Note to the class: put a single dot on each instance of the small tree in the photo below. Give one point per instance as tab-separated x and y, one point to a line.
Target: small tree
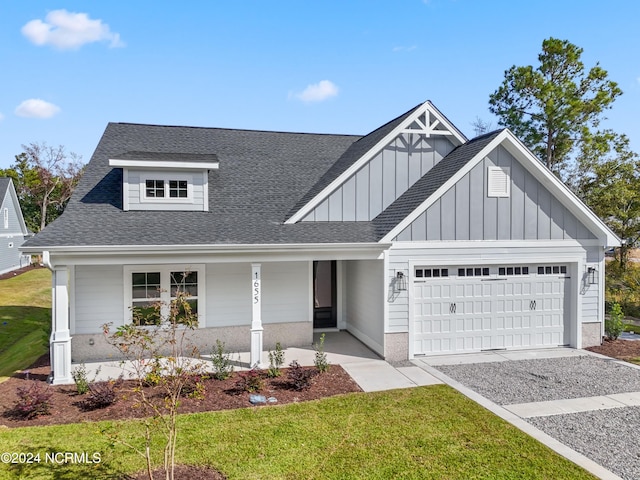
45	177
157	342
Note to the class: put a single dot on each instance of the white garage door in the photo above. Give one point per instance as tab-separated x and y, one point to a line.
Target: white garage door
485	307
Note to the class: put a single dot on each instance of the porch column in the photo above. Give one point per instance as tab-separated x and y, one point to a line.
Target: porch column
60	342
256	317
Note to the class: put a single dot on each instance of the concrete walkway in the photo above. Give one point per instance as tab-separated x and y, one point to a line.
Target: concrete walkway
367	369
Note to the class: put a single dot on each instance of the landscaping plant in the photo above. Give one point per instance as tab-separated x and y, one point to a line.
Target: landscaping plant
33	399
81	378
276	361
320	357
101	394
250	381
221	362
157	341
299	378
614	325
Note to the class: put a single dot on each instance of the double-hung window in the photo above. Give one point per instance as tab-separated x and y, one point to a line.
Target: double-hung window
151	291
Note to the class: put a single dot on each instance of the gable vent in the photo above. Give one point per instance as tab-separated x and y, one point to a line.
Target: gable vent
498	182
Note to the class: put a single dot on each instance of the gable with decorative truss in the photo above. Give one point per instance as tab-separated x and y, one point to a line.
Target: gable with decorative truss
382	173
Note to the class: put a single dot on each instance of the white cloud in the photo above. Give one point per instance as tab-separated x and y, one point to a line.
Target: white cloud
36	108
68	31
317	92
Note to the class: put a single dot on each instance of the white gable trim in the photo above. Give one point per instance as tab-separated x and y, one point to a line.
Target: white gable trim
456	136
539	171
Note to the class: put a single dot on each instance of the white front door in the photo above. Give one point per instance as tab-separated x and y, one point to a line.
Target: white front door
484	307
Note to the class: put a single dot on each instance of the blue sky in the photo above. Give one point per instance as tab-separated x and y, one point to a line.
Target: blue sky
70	67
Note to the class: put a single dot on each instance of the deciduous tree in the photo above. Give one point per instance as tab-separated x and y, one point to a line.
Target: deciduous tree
45	178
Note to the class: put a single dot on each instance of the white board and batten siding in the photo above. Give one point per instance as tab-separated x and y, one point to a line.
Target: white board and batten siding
383	179
364	298
467	212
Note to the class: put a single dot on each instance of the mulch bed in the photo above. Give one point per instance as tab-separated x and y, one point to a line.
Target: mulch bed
20	271
219	395
620	349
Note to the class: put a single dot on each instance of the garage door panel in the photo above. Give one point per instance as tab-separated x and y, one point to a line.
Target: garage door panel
477	312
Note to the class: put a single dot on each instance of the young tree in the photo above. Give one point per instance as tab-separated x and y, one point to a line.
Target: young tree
45	178
158	347
555	106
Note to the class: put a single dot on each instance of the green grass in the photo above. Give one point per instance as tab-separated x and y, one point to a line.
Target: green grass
25	319
419	433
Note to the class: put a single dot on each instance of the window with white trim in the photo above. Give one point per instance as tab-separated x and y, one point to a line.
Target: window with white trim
150	291
166	188
5	214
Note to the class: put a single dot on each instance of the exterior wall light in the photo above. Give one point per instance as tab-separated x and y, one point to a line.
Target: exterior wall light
401	281
591	275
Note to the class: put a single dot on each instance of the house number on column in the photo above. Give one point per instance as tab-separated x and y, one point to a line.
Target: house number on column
256	288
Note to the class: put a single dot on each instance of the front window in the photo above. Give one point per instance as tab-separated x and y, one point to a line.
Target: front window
154	292
145	298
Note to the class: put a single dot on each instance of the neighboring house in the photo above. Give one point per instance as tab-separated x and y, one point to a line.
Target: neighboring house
413	238
13	230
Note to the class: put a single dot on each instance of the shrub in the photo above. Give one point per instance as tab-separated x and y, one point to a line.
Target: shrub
299	378
193	386
101	395
250	381
614	325
33	399
276	360
320	358
221	360
81	378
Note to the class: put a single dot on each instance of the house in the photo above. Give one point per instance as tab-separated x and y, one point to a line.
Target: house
13	230
413	238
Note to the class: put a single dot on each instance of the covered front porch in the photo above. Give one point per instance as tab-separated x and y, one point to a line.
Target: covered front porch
247	304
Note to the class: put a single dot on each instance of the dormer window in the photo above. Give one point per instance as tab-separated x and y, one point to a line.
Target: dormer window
167	187
165	181
159	188
154	188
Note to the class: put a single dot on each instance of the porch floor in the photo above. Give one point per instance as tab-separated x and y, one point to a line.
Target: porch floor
369	371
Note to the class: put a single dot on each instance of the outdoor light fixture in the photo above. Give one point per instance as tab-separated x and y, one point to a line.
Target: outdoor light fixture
401	281
591	275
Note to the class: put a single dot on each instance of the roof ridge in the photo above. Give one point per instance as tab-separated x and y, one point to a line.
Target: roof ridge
234	129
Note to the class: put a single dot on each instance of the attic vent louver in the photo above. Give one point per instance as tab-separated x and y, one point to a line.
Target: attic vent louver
498	184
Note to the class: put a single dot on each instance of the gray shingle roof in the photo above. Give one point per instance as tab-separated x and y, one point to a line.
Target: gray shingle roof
429	183
4	186
263	178
262	175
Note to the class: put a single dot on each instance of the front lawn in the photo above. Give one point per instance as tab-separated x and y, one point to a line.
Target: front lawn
25	319
422	433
